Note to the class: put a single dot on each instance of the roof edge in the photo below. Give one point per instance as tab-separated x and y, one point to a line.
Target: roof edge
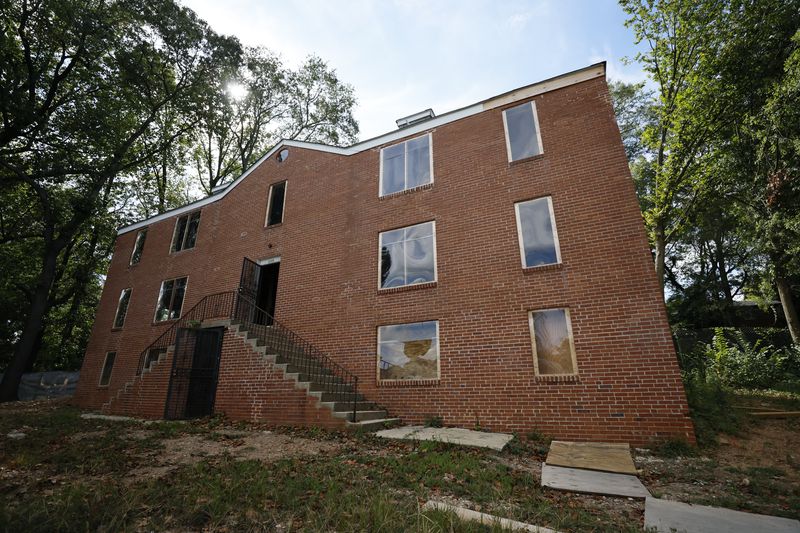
551	84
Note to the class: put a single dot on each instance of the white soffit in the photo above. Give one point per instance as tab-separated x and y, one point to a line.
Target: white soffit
558	82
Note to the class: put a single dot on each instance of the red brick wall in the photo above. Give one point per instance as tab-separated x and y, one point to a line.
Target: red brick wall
629	386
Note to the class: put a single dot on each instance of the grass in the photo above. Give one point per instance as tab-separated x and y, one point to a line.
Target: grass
72	474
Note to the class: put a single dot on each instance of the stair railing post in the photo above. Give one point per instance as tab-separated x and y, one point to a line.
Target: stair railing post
355	397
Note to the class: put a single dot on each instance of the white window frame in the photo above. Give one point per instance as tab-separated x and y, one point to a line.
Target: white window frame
135	242
119	302
520	239
158	299
435	259
405	165
188	217
269	203
378	352
535	123
102	368
571	342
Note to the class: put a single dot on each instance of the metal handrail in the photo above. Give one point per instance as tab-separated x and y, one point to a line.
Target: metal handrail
299	352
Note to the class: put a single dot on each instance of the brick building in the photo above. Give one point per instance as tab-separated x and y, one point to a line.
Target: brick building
488	267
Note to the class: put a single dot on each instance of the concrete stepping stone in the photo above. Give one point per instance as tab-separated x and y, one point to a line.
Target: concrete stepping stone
602	456
485	519
666	515
592	482
464	437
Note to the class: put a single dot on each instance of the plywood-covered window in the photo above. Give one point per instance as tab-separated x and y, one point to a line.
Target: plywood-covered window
553	345
408	256
536	229
108	367
122	308
406	165
523	139
409	351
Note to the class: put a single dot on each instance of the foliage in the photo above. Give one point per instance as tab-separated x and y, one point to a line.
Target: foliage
710	407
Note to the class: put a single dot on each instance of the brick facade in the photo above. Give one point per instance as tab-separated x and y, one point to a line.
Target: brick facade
628	386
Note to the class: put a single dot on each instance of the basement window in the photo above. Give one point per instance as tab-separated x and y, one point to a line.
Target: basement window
277	197
138	246
108	366
536	229
409	351
408	256
406	165
553	345
521	124
185	231
122	308
170	299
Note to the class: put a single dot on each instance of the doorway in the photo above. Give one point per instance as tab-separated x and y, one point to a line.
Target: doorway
259	287
195	370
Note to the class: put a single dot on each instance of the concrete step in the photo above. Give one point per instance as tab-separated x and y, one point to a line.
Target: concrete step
374	425
362	416
347	407
326	397
338	388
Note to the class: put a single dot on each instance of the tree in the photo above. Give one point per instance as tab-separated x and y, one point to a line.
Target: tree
83	82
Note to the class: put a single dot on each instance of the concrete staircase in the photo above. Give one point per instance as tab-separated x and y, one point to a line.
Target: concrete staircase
125	401
312	376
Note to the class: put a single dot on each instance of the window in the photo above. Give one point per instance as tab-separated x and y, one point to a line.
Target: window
185	232
170	299
138	246
553	347
108	366
409	351
536	229
282	156
277	194
522	131
408	256
153	355
406	165
122	308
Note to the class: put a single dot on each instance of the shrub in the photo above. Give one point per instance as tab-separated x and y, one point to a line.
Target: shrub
742	364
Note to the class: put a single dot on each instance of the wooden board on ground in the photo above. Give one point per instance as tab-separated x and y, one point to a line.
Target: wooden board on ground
592	482
600	456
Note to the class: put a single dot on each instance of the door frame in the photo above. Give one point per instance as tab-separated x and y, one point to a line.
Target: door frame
213	380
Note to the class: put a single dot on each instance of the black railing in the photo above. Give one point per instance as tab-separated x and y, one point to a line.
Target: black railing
304	358
219	305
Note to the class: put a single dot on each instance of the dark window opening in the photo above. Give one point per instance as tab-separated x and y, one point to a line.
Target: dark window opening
186	232
108	366
122	308
277	194
283	155
170	299
153	356
138	247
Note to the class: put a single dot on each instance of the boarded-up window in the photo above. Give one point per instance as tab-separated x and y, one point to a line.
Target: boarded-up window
522	131
108	366
406	165
536	228
408	255
186	231
122	308
138	247
409	351
170	299
553	349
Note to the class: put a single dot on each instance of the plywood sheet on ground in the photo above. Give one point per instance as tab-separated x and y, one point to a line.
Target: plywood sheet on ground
601	456
592	482
664	515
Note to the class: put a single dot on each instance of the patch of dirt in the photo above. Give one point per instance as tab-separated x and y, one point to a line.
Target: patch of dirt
264	446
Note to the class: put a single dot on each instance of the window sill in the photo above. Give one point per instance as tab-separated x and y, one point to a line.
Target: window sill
561	378
414	287
406	191
164	322
408	382
102	386
525	160
271	226
542	268
116	329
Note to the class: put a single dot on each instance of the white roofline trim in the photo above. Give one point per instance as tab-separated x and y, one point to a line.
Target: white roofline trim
551	84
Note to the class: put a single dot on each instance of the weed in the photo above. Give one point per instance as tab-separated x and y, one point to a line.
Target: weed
434	421
674	448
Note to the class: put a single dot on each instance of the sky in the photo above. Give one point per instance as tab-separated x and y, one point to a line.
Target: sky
404	56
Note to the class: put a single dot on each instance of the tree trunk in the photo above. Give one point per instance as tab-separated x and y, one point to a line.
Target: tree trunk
789	309
661	247
25	350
